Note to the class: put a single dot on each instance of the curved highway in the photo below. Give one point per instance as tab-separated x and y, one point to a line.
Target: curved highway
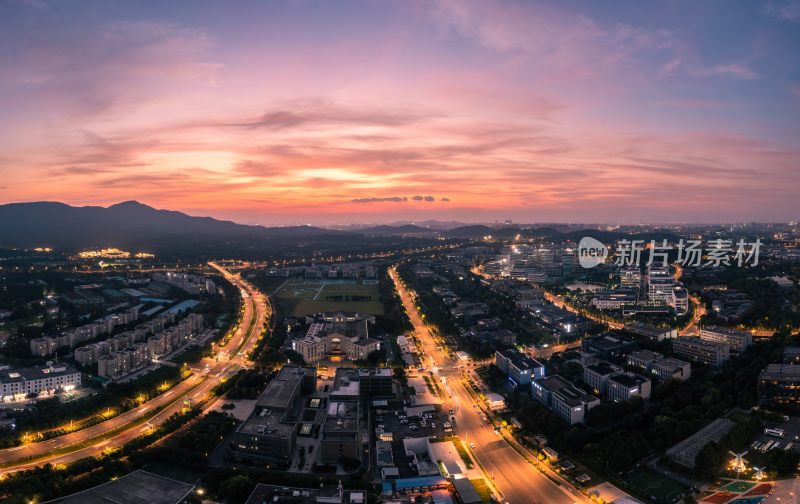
117	431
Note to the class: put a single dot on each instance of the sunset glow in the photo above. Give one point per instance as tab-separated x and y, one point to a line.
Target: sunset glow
323	112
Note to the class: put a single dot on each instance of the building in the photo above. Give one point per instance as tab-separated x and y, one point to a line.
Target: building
630	277
791	355
597	375
624	387
737	340
779	384
519	368
650	332
608	346
495	401
270	432
659	284
563	398
280	494
44	346
685	452
353	383
679	300
614	300
341	435
376	382
337	335
671	369
136	487
696	349
644	359
16	384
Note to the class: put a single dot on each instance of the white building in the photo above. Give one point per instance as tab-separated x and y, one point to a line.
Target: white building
16	384
738	340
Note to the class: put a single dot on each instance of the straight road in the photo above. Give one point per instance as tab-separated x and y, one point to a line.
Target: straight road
209	373
516	478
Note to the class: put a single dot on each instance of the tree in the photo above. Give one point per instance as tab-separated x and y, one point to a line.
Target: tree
236	489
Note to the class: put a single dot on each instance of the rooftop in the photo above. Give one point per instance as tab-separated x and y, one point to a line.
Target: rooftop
35	373
566	390
671	363
780	371
603	368
628	380
520	360
134	488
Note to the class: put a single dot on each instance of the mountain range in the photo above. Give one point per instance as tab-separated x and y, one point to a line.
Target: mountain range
136	225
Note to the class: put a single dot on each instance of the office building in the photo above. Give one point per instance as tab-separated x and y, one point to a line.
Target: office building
671	369
270	432
624	387
519	368
16	384
698	350
737	340
659	284
614	300
779	384
643	359
651	332
341	435
330	494
679	300
564	399
597	375
608	346
630	277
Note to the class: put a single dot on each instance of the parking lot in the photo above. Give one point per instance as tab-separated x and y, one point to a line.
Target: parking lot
790	438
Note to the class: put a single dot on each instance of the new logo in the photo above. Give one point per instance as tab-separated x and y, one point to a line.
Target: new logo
591	252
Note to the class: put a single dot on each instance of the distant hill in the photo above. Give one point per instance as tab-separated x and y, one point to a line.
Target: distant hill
479	231
406	229
127	224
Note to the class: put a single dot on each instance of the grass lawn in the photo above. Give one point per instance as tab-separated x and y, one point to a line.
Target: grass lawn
483	490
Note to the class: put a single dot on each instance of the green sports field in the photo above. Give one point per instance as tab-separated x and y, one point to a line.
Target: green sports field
650	484
300	297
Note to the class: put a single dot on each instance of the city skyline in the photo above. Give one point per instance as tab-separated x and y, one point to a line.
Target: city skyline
369	112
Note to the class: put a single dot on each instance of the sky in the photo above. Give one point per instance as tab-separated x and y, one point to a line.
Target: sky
327	112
